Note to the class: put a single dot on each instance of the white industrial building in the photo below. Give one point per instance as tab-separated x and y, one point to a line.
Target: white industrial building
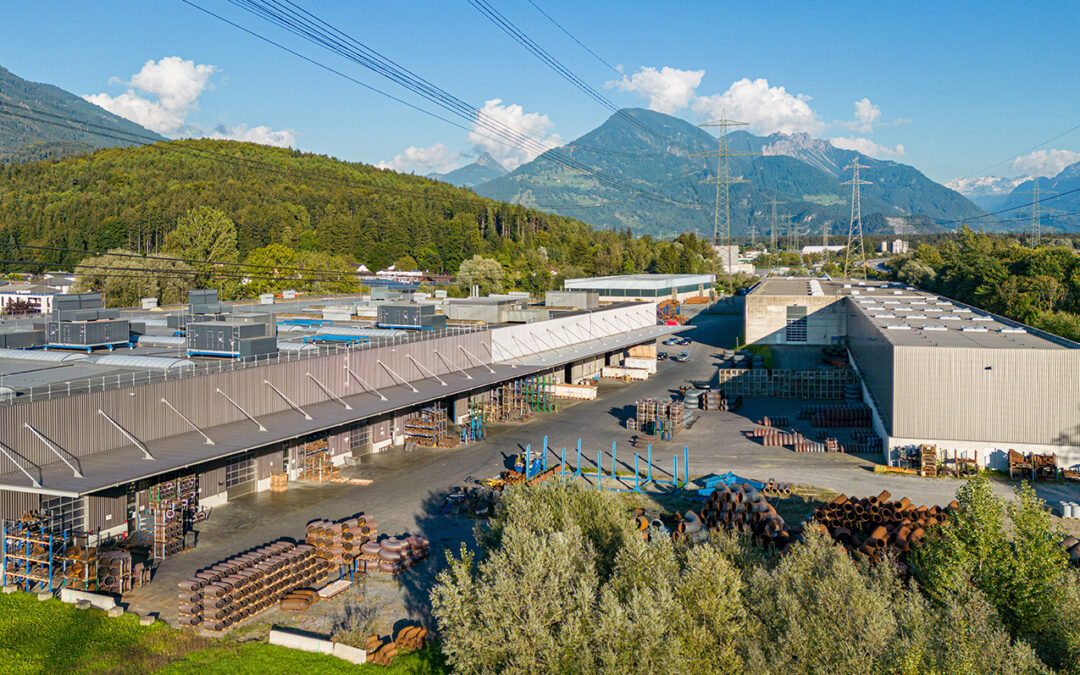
645	287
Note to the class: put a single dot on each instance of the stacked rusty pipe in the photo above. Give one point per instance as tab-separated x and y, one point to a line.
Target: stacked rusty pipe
394	555
1072	546
872	527
340	542
244	585
774	438
412	638
380	651
741	507
299	601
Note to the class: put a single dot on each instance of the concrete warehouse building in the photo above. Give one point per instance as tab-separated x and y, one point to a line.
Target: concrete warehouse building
91	436
657	287
934	370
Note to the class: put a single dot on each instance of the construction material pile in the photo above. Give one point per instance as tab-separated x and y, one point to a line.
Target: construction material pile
1072	546
114	572
1033	465
872	527
774	421
244	585
394	555
339	543
743	508
711	399
316	463
299	601
774	438
842	415
383	650
659	417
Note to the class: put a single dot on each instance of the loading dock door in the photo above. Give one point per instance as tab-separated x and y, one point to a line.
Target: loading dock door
240	477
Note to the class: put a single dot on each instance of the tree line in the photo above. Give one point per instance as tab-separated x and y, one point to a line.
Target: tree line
288	207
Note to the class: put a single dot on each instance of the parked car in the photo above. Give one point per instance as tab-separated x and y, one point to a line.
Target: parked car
681	357
671	341
661	356
682	342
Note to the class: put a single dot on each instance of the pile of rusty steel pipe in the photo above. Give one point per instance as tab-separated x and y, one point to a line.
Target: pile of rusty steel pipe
340	542
872	527
1072	546
773	438
773	421
844	415
394	555
244	585
772	486
741	507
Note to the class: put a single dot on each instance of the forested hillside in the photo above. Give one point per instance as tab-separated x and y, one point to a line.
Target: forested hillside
131	198
1038	286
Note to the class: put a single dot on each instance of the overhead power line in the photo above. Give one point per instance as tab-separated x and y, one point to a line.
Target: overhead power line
304	24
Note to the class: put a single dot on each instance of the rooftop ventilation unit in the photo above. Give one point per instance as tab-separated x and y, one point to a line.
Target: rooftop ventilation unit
974	329
1012	329
935	327
916	316
884	316
162	341
898	326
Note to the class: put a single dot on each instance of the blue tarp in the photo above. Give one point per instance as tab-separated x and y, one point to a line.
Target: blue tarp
728	478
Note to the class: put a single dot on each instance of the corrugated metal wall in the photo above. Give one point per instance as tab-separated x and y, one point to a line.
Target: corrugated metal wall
14	504
267	464
106	511
212	482
874	358
993	395
74	424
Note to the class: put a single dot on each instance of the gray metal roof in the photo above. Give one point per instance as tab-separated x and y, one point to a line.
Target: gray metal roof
147	362
126	464
634	281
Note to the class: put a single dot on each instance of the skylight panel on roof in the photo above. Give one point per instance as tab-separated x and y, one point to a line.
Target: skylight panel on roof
947	317
885	316
1013	329
898	326
974	329
935	327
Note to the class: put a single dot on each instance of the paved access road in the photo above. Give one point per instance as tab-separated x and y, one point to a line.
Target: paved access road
408	489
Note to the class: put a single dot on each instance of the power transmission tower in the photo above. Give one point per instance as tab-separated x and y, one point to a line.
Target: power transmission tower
1036	228
723	181
753	235
855	251
772	230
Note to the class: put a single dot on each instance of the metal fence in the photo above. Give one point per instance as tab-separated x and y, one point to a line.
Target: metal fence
138	378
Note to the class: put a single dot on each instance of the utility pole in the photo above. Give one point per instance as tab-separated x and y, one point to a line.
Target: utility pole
855	252
1036	227
723	181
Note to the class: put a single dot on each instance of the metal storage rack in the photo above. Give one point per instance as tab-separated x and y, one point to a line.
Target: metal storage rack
37	552
819	384
658	417
539	393
315	462
427	427
474	428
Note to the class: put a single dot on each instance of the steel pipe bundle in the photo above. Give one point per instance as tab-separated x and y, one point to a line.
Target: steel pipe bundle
411	637
244	585
341	542
773	421
741	507
773	438
871	527
844	415
774	487
379	651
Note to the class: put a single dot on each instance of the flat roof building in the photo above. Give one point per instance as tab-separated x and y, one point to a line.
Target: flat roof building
934	370
645	286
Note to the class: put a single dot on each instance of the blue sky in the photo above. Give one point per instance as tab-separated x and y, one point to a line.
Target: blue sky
951	88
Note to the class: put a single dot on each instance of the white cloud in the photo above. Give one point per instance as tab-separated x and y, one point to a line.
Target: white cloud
175	83
264	135
533	125
866	113
766	109
164	93
144	112
867	147
982	186
668	89
436	158
1044	162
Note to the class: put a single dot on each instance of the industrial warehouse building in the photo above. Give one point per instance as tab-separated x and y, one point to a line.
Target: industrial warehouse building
92	436
934	370
657	287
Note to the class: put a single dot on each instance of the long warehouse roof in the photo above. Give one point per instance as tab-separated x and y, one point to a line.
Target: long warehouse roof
125	464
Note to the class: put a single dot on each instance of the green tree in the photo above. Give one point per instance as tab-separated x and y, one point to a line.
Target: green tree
406	263
207	237
123	278
486	273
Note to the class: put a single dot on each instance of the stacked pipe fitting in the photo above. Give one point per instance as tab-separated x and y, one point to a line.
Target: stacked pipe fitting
114	571
773	421
741	507
340	542
394	555
381	652
247	584
412	638
774	487
774	438
872	527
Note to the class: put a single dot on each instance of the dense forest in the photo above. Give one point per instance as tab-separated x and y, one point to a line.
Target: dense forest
1038	286
57	213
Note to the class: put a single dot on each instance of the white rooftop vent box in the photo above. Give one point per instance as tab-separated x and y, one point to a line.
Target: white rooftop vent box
898	326
935	327
982	317
916	316
289	294
897	292
909	288
961	310
932	309
847	285
974	329
853	292
149	303
947	317
884	316
1012	329
890	302
901	309
862	283
918	302
266	299
440	294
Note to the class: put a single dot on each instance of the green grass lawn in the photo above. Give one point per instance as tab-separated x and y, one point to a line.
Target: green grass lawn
53	637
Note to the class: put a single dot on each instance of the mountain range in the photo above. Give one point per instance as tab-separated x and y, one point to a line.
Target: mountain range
660	156
484	169
31	127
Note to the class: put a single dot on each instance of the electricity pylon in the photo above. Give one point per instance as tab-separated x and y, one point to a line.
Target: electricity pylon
855	251
753	235
1036	226
723	181
772	230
